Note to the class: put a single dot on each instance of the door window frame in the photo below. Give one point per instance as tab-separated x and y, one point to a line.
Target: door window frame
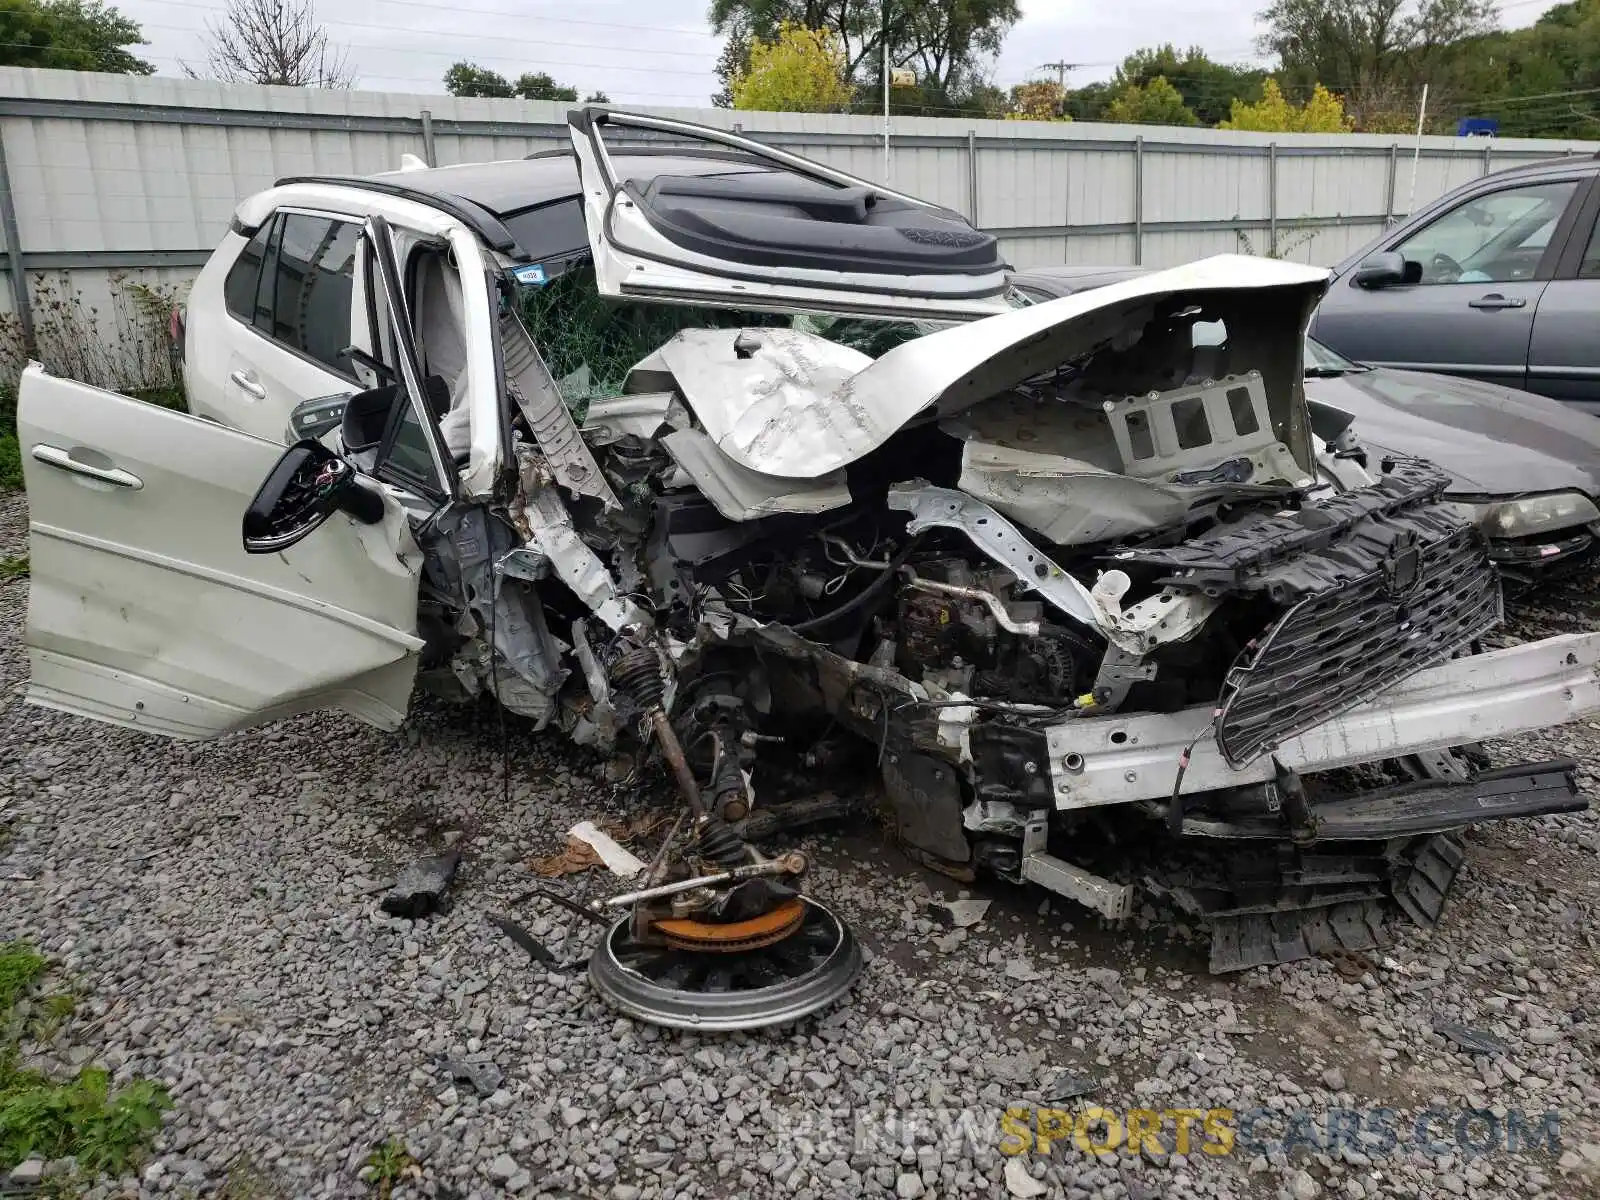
384	273
1584	228
269	261
1554	251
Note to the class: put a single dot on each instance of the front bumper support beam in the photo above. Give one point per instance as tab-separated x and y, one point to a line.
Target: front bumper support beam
1121	760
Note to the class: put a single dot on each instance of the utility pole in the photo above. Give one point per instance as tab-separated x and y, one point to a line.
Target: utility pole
1060	68
883	40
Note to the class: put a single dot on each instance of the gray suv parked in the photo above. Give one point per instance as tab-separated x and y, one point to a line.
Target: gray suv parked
1499	280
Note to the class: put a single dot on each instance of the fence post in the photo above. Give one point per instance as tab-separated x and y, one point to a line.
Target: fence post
1272	199
1138	200
972	176
427	139
1488	145
15	264
1394	170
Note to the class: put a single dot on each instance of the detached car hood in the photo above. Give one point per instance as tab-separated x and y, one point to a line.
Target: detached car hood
1491	440
795	406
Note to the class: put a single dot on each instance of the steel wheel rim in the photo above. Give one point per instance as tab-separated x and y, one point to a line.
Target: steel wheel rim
723	992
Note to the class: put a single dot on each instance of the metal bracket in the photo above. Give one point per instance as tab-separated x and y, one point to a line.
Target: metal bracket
534	389
1114	901
998	538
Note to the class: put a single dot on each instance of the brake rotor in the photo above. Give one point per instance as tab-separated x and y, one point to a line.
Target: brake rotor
683	933
808	970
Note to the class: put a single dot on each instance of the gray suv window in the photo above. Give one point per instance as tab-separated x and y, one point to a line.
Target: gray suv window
293	282
1498	237
1589	268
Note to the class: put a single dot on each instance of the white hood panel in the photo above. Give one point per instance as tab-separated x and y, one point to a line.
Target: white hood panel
798	406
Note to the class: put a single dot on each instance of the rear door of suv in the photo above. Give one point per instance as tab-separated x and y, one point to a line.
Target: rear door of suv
272	330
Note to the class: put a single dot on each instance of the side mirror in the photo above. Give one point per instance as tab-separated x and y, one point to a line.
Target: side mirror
307	486
1388	269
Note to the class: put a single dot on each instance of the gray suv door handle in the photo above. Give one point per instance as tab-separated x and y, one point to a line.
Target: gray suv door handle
1496	300
247	383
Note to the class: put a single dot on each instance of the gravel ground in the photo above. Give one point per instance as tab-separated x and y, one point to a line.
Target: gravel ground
216	906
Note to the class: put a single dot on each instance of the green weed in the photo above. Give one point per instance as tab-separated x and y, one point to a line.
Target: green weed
106	1131
10	451
387	1165
14	566
21	967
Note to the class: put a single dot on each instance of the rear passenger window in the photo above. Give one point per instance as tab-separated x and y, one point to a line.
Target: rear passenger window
294	281
1589	268
239	290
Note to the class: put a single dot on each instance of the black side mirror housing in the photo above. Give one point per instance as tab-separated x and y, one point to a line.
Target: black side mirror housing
307	486
1388	269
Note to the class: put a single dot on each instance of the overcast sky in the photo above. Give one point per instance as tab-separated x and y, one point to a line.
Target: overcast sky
664	53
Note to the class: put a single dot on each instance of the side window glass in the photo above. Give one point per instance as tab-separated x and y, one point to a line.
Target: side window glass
239	288
315	272
267	287
1589	268
1495	238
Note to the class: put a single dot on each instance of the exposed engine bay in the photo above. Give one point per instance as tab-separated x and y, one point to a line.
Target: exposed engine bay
969	566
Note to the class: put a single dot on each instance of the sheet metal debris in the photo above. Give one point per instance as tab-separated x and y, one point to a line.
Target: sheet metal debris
419	890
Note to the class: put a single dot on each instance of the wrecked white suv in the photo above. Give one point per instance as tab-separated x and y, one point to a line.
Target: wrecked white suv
698	450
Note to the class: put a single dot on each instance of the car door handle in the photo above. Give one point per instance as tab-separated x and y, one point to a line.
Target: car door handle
58	457
1496	300
247	383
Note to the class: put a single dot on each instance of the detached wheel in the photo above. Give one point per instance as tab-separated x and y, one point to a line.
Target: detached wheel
718	991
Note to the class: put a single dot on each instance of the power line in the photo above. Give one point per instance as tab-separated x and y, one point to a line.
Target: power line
456	11
519	59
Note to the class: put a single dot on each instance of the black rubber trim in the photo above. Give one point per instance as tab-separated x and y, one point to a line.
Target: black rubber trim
474	216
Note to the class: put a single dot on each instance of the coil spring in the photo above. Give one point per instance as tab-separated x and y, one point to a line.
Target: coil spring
636	677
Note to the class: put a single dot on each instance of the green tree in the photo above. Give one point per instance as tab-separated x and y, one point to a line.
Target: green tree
1088	103
947	41
1546	75
802	70
1038	100
537	85
1208	88
70	35
1376	53
1322	113
1155	103
469	79
731	63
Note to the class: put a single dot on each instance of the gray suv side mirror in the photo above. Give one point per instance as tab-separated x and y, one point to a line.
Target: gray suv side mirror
1388	269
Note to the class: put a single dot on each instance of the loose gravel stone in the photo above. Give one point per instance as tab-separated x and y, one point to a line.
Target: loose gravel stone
216	906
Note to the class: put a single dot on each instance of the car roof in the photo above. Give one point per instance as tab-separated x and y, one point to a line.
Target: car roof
1563	163
489	196
513	185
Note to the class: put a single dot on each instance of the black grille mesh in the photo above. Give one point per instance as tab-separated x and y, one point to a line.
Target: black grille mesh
1339	647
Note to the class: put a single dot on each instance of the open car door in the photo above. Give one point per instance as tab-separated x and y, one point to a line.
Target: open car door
188	579
770	230
144	608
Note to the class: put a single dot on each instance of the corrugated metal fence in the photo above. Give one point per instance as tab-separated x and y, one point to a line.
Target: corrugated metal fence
108	181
